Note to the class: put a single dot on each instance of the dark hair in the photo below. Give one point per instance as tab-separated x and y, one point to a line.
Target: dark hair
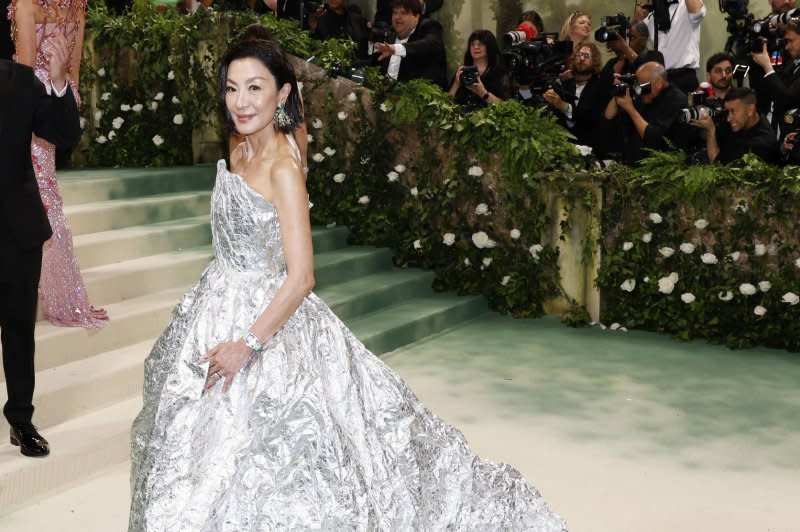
255	32
793	25
641	28
272	57
746	94
534	18
718	58
488	39
414	6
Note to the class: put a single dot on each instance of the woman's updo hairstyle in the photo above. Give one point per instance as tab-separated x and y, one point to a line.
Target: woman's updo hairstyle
272	57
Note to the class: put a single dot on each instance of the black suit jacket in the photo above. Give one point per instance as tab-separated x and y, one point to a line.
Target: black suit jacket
587	112
25	108
425	55
783	89
383	10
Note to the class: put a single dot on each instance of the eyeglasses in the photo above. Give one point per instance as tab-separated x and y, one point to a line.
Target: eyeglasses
583	55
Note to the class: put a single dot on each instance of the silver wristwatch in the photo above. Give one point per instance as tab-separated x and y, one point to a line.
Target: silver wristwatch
252	341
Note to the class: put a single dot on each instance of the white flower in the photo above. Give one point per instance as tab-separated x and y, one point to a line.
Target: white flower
687	297
414	191
481	240
400	168
583	150
385	107
628	285
759	310
727	295
666	285
177	119
112	134
655	218
175	100
392	176
170	75
339	178
330	152
491	244
614	326
797	263
342	115
331	225
760	250
646	279
709	258
352	97
316	123
417	244
647	237
504	281
158	97
747	289
101	72
467	262
627	246
83	122
674	277
701	224
475	171
105	96
97	116
448	239
687	248
137	107
734	256
667	251
117	122
158	140
791	298
310	138
317	157
764	286
535	250
487	261
363	200
153	106
515	234
101	139
481	209
125	107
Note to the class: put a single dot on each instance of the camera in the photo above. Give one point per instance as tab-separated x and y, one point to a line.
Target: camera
538	62
307	9
381	32
521	33
701	106
611	26
469	75
629	82
734	8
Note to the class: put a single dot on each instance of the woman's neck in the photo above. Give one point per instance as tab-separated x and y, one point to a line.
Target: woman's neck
262	142
482	63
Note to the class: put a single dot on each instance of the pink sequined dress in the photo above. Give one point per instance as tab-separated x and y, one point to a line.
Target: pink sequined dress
61	289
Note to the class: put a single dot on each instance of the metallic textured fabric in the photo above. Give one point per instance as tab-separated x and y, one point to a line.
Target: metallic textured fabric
315	433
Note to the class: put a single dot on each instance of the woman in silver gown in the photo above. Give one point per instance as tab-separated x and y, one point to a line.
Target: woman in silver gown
262	411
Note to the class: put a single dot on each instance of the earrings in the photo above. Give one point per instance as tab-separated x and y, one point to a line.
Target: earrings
282	118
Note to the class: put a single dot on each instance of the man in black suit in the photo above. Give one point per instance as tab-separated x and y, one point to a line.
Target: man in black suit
383	10
418	50
25	108
781	89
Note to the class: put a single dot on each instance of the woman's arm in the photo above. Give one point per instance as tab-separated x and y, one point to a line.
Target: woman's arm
77	52
25	22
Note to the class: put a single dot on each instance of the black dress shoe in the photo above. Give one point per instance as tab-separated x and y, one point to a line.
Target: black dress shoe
30	442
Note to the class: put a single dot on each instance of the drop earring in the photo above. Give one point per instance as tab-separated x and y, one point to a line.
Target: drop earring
282	118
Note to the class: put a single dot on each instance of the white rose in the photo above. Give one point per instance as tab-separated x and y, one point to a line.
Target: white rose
417	244
709	258
392	176
759	310
515	234
791	298
97	116
467	262
153	106
310	138
330	152
137	108
352	97
481	209
614	326
105	96
701	224
687	297
342	115
83	122
647	237
175	100
727	295
747	289
158	140
177	119
674	277
764	286
687	248
170	75
317	157
487	261
504	281
101	72
448	239
112	134
363	200
666	285
385	107
117	122
316	123
797	263
535	250
491	243
480	239
655	218
628	285
475	171
414	191
339	178
125	107
627	246
101	139
158	97
583	150
400	168
646	279
667	251
734	256
760	250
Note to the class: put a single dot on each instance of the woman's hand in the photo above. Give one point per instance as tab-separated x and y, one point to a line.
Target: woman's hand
478	87
226	360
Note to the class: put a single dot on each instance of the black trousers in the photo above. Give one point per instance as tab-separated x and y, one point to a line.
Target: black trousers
19	282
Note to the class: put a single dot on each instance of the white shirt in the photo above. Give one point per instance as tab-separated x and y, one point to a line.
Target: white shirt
681	45
578	91
393	70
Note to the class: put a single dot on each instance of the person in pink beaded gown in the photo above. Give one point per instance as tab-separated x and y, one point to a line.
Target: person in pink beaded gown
61	289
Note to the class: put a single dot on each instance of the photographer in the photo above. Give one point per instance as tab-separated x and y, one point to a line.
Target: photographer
417	51
781	88
630	53
744	131
577	101
383	9
653	119
719	73
481	79
678	37
338	19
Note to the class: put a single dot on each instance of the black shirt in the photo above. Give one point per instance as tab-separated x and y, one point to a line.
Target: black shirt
759	140
494	80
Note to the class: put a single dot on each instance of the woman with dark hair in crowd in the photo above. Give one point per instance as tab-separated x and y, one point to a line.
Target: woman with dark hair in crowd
487	82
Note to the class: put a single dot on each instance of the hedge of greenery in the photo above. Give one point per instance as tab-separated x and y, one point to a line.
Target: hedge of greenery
695	251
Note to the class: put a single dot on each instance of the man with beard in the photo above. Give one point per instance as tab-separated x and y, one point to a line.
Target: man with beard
719	73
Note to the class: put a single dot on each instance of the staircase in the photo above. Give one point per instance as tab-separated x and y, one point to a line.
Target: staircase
142	238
